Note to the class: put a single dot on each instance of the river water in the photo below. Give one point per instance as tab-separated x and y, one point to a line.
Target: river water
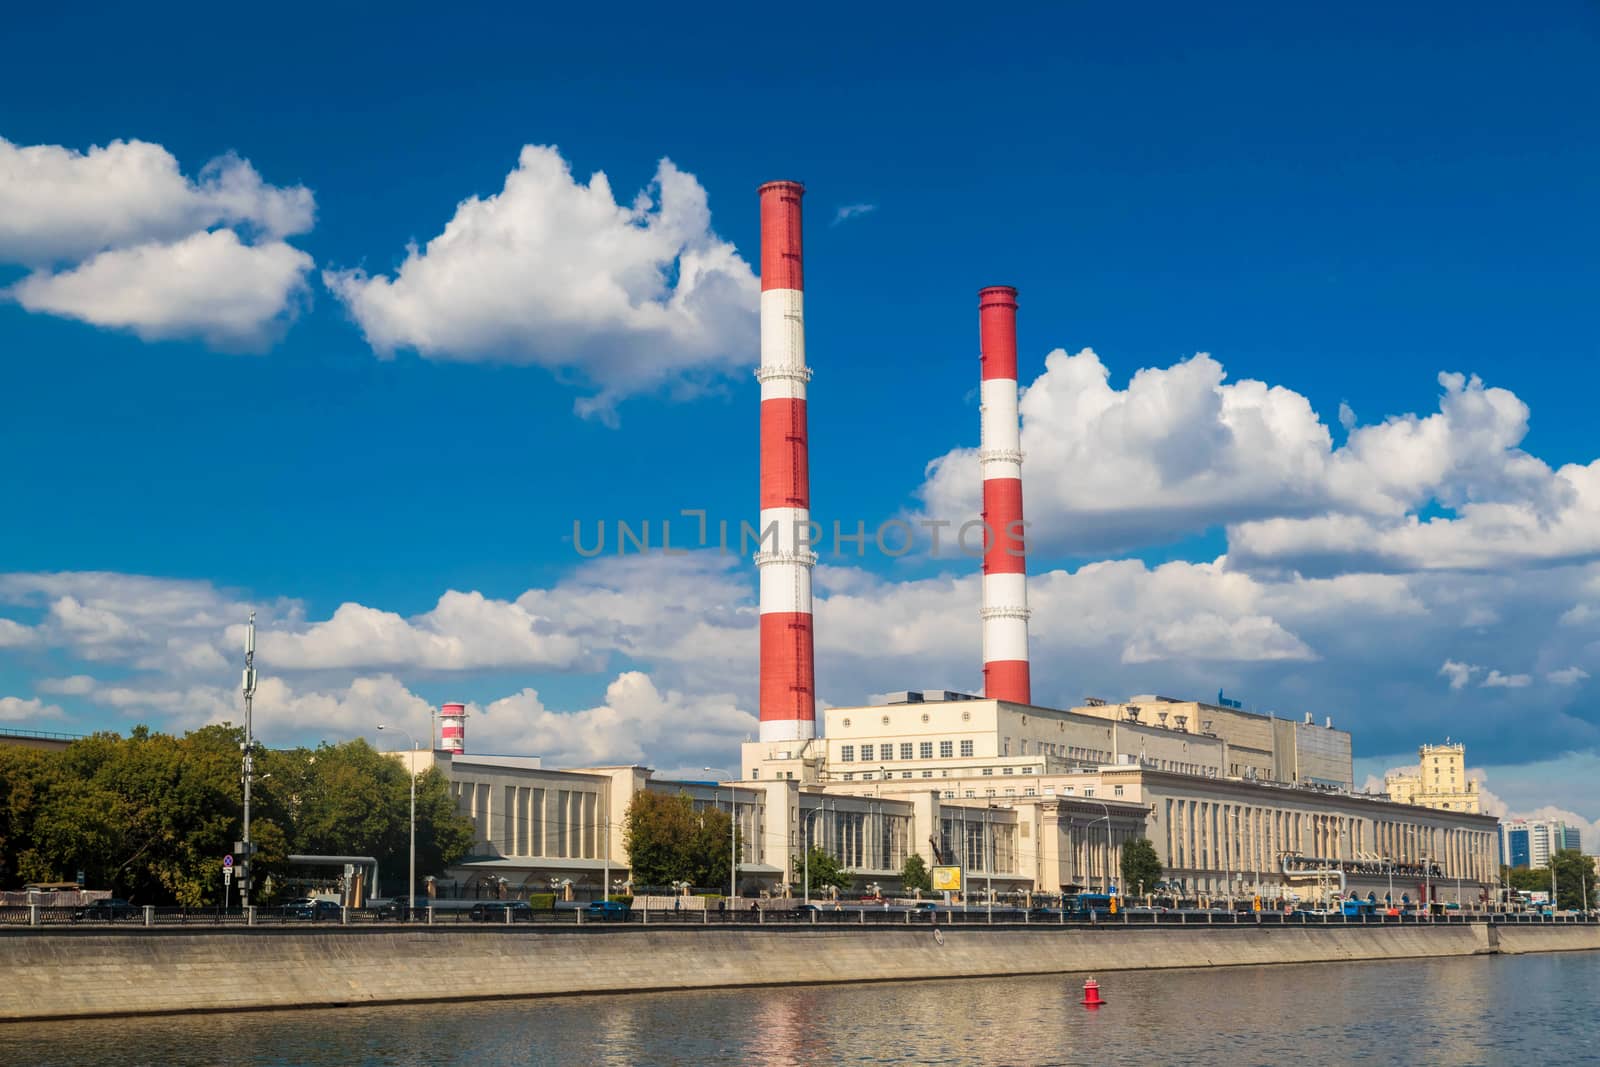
1523	1010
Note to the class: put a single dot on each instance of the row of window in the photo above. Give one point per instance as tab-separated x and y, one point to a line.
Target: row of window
868	776
922	750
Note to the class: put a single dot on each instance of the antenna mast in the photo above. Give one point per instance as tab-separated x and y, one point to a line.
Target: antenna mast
249	746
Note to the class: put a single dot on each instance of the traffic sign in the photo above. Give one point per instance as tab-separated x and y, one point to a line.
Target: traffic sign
227	863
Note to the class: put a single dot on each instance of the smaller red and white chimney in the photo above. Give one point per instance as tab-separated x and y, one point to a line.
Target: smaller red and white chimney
453	728
1005	571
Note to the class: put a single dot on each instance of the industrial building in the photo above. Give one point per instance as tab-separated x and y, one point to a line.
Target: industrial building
1021	797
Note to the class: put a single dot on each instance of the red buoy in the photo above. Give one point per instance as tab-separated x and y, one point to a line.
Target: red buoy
1091	994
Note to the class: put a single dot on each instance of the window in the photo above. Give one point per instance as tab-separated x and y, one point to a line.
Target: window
946	750
948	794
1008	770
1011	790
1116	790
927	774
988	770
1088	791
1027	770
905	750
971	793
1028	792
966	748
1049	790
849	777
905	774
925	750
1067	790
756	773
988	792
847	753
867	777
866	753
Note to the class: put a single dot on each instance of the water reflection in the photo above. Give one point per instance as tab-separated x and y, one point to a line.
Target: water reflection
1523	1009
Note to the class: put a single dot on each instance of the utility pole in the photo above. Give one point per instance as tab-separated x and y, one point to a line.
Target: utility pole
249	687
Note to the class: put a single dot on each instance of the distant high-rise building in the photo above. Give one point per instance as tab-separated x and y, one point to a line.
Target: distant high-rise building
1440	782
1531	842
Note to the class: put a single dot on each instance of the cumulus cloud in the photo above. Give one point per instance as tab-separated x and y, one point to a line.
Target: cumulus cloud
558	273
1182	450
58	204
463	631
636	723
209	285
14	634
120	238
75	685
1497	680
15	709
1567	676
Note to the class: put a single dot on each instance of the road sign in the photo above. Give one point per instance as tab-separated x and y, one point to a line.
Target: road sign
227	863
227	874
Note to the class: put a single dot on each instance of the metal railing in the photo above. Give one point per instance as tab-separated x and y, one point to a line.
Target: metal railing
777	916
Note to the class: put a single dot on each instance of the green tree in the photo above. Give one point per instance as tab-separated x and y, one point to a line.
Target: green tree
669	841
1574	879
1141	870
823	870
914	876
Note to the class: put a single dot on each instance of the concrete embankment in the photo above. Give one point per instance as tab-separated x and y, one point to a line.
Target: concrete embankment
78	973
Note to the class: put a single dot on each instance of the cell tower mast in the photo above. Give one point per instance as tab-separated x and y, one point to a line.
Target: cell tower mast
249	747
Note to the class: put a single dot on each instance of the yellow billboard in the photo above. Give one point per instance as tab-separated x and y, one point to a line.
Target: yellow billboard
946	879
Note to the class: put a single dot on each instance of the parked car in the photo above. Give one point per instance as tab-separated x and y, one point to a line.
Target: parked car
806	909
313	908
925	905
495	911
396	909
106	910
607	910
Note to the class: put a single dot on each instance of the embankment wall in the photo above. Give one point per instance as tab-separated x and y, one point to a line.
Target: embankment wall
78	973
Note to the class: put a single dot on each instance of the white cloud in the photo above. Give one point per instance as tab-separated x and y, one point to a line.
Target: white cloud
558	274
14	634
1496	680
119	238
15	709
1459	674
463	631
852	211
208	285
1208	636
1567	676
76	685
637	723
1180	450
57	204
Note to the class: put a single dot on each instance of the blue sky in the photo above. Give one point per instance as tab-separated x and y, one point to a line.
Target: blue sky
205	415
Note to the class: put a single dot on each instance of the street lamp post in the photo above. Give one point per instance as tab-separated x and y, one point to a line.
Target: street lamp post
1105	808
806	862
411	884
733	839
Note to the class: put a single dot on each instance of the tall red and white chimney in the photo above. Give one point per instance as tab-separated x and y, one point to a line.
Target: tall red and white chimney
788	697
1005	572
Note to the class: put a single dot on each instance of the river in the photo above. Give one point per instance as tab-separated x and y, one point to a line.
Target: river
1522	1010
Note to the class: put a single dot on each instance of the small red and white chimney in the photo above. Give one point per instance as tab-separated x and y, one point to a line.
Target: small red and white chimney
453	728
1005	572
788	697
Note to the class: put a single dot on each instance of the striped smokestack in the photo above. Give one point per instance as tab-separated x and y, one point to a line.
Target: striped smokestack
788	699
1005	572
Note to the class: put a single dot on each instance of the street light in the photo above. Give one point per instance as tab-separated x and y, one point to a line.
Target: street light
1104	807
733	836
806	863
411	885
